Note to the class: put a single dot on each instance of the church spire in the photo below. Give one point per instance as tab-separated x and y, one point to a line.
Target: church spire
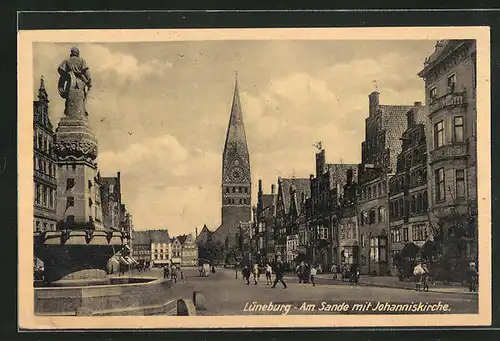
42	93
235	138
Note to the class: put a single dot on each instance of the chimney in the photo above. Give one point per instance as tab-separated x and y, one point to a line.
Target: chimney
418	104
272	189
374	102
311	176
196	233
260	185
320	163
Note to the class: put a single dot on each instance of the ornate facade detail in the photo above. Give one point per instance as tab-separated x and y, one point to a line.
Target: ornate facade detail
449	152
75	150
448	100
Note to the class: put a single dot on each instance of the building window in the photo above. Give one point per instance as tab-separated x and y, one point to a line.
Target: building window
227	189
439	178
234	189
438	134
425	202
70	202
418	205
460	183
51	198
413	204
374	255
418	232
363	240
44	196
70	183
38	193
433	93
401	207
372	219
405	234
458	129
381	214
451	83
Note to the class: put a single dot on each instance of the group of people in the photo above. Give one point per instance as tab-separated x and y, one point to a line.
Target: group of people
421	273
205	269
255	270
422	276
172	272
306	273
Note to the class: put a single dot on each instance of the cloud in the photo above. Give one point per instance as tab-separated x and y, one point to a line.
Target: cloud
160	112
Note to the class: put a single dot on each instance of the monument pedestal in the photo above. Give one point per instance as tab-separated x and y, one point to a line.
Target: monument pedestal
77	254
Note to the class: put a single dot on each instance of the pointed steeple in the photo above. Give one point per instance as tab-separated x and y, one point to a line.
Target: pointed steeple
42	93
236	142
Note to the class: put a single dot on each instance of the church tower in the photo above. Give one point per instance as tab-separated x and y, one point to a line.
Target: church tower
236	181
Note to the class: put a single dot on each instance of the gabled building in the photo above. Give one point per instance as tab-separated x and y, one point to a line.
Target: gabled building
326	191
348	230
189	250
383	129
450	85
44	165
141	249
409	221
265	212
176	250
291	191
161	248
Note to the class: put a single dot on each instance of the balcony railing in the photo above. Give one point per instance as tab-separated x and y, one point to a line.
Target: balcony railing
450	99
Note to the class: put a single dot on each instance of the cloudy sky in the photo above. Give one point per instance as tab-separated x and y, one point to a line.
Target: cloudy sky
160	112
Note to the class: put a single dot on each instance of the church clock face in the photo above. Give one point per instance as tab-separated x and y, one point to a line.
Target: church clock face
236	173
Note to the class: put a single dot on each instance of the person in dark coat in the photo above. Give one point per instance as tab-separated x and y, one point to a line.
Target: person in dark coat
472	277
280	272
246	274
166	272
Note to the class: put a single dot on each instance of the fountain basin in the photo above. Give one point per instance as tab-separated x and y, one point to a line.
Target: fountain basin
123	296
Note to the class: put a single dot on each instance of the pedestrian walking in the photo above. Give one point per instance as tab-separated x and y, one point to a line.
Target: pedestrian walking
279	273
425	277
312	274
269	271
255	272
246	274
418	272
173	275
472	277
166	272
213	269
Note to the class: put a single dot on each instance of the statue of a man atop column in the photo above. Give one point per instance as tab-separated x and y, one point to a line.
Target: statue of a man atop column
74	84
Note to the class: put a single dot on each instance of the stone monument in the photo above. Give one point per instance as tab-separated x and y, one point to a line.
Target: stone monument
77	253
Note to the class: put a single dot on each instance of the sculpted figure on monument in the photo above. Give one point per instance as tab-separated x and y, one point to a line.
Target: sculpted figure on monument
74	84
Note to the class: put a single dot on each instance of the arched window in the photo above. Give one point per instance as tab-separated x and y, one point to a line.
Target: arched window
381	214
419	203
412	204
379	191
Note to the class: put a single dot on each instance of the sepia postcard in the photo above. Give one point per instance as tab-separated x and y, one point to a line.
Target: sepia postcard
273	177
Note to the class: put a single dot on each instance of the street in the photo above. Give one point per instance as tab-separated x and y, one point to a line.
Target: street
223	294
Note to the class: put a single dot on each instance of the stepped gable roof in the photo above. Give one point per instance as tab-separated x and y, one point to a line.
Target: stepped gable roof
301	185
338	173
203	235
159	236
